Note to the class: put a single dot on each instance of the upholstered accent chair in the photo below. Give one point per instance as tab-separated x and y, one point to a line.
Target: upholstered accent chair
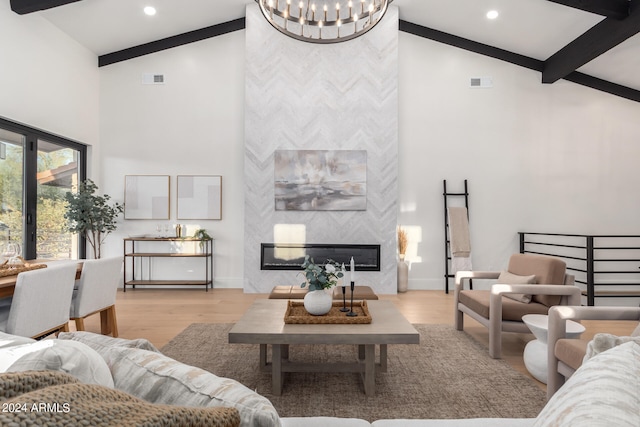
40	303
565	355
531	284
95	292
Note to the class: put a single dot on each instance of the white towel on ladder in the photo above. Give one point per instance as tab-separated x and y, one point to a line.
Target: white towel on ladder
459	241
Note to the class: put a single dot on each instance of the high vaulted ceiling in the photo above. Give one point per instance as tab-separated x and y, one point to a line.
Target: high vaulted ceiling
560	37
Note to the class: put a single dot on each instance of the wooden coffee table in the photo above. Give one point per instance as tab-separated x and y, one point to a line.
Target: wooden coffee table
263	324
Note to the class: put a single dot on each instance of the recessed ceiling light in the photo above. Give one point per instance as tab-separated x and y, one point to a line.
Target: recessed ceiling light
492	14
150	10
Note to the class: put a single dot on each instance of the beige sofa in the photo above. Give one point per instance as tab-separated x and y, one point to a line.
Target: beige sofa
136	368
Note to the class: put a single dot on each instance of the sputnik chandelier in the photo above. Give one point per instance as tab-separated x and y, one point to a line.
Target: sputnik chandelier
322	21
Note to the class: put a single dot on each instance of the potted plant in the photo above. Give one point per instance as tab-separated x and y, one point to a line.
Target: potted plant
91	215
319	278
202	235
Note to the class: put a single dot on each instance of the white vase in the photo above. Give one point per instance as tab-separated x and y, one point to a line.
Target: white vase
318	303
403	275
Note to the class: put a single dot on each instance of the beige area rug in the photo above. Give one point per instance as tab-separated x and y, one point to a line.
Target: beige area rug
448	375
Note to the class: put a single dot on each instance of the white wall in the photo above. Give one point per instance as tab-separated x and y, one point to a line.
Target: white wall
47	80
191	125
550	158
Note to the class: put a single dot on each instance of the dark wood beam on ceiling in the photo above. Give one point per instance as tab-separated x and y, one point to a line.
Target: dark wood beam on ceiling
517	59
470	45
22	7
617	9
171	42
600	38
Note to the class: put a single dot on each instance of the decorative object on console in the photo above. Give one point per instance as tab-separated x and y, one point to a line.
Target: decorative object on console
319	278
323	21
320	180
146	197
91	215
203	235
199	197
403	268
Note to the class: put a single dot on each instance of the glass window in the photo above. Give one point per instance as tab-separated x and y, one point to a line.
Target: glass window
36	170
11	188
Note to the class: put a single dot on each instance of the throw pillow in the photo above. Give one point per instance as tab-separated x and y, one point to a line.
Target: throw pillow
102	342
37	398
8	340
71	357
157	378
603	392
513	279
603	342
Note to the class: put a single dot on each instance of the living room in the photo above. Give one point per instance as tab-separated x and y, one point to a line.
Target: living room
549	158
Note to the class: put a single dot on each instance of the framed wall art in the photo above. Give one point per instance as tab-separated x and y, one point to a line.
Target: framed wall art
199	197
320	180
146	197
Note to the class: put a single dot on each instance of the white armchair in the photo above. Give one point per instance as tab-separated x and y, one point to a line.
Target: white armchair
550	286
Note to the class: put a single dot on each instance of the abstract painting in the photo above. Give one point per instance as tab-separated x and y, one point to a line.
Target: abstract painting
199	197
320	180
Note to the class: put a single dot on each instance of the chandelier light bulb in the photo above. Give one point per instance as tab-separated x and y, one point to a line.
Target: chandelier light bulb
327	28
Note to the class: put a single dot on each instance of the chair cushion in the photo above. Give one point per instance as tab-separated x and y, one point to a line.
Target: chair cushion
478	301
602	393
513	279
548	271
571	351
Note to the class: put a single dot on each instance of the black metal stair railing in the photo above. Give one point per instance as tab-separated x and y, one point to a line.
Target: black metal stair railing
606	266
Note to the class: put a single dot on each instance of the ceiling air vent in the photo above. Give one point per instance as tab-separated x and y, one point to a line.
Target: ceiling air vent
152	79
481	82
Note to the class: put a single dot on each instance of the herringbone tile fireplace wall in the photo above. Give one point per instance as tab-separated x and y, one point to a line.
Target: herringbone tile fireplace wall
301	96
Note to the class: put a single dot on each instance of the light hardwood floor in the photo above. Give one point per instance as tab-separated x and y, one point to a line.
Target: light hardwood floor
160	314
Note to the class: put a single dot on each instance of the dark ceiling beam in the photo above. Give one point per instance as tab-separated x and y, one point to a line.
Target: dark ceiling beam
171	42
470	45
600	38
22	7
617	9
517	59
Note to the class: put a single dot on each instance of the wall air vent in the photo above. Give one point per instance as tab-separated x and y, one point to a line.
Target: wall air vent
152	79
481	82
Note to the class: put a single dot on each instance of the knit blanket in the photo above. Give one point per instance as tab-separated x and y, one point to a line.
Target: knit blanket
36	398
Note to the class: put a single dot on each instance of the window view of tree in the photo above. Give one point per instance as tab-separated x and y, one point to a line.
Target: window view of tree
11	188
35	175
57	174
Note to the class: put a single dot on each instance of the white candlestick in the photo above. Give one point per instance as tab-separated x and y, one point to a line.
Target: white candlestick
344	276
353	270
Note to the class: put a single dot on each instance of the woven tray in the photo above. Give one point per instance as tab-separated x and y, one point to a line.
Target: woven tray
12	271
297	314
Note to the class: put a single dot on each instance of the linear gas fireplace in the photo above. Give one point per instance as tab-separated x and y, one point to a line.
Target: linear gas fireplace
290	256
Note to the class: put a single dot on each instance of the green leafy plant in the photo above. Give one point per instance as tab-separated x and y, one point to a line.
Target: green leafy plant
320	276
201	234
91	215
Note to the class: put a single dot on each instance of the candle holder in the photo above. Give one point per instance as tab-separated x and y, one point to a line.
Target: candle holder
344	308
352	313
